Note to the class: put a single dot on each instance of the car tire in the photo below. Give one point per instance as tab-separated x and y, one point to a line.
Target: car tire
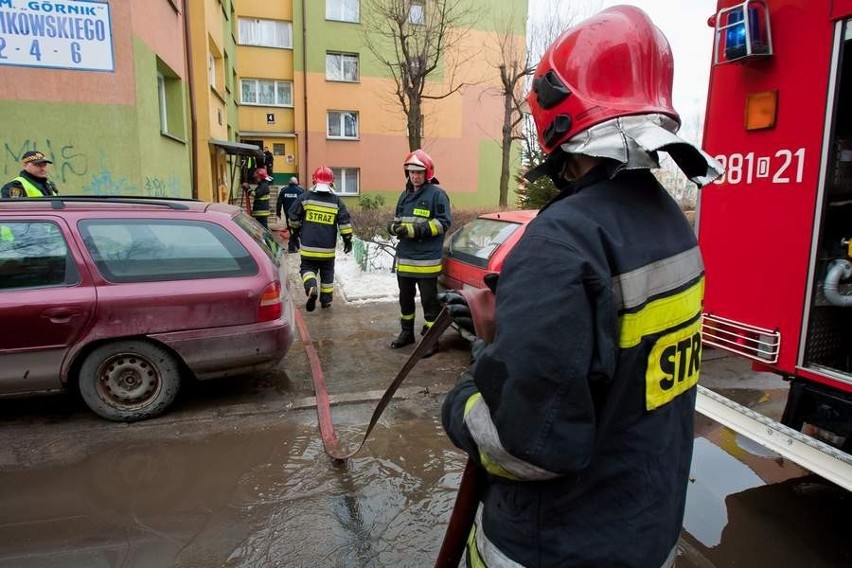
129	380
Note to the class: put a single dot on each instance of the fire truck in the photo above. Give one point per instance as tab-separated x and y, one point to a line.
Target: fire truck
776	230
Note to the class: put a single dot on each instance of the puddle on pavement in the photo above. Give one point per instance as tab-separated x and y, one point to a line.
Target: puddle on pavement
261	492
248	497
747	506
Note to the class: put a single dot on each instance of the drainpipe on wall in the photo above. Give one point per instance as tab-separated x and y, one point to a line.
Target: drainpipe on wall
193	117
304	163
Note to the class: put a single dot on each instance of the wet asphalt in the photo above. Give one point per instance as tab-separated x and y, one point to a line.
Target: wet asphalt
235	473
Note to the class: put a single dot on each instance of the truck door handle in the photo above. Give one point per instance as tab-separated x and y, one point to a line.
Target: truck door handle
60	315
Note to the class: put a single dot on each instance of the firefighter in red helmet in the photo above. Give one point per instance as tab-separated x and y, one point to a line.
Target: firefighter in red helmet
260	204
422	217
315	219
581	409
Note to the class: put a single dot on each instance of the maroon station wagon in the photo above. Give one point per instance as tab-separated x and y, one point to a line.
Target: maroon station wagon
480	247
126	298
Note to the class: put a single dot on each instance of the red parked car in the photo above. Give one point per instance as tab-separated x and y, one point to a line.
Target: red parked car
480	247
126	298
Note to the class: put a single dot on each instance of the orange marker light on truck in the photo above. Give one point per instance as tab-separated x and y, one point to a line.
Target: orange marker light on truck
761	109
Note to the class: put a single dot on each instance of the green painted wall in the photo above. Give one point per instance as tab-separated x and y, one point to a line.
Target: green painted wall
100	149
323	35
162	167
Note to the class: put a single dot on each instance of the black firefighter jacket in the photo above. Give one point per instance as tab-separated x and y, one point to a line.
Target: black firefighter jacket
429	207
317	216
581	410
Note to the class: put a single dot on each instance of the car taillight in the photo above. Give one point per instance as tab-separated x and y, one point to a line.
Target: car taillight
270	303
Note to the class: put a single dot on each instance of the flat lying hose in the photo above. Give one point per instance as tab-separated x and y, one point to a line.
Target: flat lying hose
330	441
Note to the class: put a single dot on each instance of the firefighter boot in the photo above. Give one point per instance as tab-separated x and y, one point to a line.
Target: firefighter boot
406	336
311	304
432	350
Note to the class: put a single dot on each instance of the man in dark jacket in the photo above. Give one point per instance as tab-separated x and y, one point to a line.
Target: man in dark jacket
286	198
581	409
422	218
32	180
315	220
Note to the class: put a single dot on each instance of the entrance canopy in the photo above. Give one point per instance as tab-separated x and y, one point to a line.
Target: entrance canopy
237	149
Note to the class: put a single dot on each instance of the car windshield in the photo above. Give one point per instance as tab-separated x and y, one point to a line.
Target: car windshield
476	242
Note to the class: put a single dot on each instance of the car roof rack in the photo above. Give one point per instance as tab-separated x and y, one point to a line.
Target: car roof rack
58	201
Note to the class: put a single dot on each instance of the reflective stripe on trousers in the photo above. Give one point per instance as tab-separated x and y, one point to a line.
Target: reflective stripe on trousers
482	553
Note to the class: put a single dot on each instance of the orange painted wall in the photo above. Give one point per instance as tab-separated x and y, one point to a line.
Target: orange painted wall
455	126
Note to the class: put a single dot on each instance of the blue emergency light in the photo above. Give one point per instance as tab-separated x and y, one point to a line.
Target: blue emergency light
742	32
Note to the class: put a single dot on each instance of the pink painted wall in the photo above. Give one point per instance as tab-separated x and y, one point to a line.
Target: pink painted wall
154	21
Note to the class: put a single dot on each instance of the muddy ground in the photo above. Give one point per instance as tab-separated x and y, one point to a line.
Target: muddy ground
235	474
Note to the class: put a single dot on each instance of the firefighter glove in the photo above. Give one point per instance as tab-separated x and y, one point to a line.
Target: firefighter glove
347	244
458	309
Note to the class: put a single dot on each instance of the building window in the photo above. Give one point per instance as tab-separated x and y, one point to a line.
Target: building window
164	109
211	70
264	92
346	180
170	101
416	13
341	67
266	33
343	10
342	124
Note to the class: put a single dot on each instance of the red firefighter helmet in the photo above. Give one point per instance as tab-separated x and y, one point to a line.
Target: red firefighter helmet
260	173
419	161
616	63
322	179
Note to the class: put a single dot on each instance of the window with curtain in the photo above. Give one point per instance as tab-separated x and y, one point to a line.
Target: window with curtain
346	181
265	92
342	124
265	33
341	67
343	10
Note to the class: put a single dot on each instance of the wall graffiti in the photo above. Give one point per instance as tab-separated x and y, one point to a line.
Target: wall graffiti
67	160
73	171
158	187
105	183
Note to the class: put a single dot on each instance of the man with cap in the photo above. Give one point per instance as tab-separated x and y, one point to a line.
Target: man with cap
32	181
286	198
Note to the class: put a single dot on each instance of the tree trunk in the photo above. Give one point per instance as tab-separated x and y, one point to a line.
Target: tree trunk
414	121
506	150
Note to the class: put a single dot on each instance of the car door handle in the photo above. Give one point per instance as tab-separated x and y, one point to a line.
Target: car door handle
60	315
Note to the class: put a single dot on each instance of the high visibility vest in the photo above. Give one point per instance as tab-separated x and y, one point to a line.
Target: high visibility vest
6	234
31	189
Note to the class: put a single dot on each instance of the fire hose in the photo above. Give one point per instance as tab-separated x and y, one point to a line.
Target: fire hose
481	304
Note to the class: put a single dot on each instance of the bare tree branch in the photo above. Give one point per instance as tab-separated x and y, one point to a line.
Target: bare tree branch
413	39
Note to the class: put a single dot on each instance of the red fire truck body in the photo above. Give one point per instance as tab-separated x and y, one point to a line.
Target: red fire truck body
776	230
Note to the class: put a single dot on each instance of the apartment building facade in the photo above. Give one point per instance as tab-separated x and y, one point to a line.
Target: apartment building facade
105	101
266	58
343	110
